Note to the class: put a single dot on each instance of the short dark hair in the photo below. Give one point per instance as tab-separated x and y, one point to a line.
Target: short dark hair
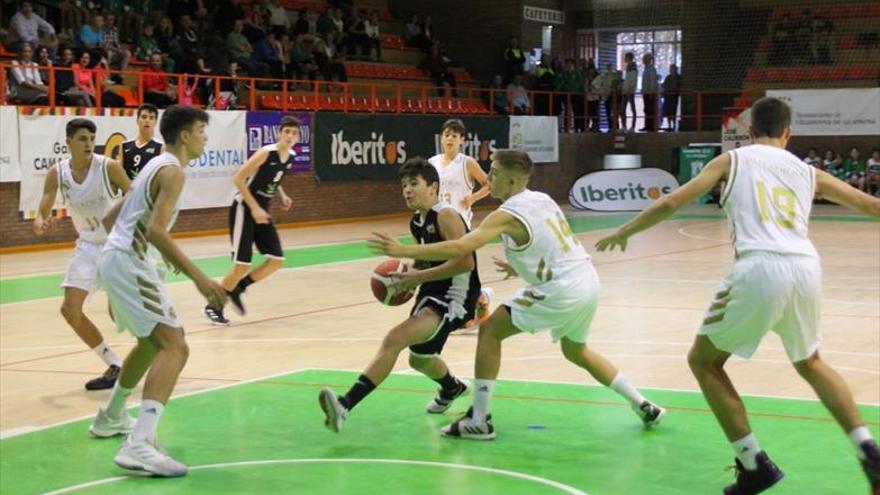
515	160
454	125
289	121
419	167
78	123
146	107
177	118
770	117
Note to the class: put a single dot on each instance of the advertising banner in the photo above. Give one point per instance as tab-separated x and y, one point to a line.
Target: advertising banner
621	190
262	129
735	128
832	112
372	147
537	136
10	171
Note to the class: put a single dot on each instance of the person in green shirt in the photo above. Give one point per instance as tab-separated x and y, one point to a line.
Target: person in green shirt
571	81
854	168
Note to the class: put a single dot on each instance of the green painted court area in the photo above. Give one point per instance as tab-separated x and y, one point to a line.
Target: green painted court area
268	436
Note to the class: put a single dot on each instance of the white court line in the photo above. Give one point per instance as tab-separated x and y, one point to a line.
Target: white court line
449	465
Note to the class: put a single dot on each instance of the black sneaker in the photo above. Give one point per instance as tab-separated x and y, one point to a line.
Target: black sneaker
650	413
216	316
235	298
105	381
751	482
871	464
443	400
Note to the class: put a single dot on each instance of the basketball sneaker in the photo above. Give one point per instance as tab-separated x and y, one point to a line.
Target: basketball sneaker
144	455
334	412
650	413
443	400
750	482
466	427
216	316
105	381
871	465
481	313
105	426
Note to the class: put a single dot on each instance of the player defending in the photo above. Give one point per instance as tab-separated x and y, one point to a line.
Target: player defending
140	150
775	284
561	295
139	300
447	298
458	175
249	220
88	183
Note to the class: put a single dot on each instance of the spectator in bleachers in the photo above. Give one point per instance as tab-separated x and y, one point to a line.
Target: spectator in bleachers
602	86
241	51
374	38
44	61
109	97
781	41
628	90
412	34
496	96
650	89
813	159
189	58
194	9
358	41
545	75
268	51
854	168
66	90
832	163
569	83
26	27
802	34
820	40
91	36
226	13
147	43
72	17
872	176
117	54
26	85
592	95
165	37
518	97
514	59
301	64
83	77
157	89
671	95
328	59
428	31
437	67
279	23
131	20
325	21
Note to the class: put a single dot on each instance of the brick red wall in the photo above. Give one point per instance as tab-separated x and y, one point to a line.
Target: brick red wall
578	154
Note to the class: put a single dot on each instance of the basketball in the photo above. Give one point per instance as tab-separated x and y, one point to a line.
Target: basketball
380	280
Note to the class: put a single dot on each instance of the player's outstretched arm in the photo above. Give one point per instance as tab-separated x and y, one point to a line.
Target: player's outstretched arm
43	220
837	191
166	188
498	222
664	207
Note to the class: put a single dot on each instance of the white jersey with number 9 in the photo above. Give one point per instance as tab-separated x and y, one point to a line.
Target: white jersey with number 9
767	198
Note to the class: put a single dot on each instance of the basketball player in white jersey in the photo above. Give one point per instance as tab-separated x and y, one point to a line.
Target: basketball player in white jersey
561	296
775	284
459	174
88	183
138	297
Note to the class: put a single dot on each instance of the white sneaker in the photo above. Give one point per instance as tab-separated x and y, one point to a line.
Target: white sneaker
105	426
466	427
143	455
334	412
440	404
650	413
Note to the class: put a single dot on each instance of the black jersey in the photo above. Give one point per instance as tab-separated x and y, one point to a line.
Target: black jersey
463	288
264	182
135	157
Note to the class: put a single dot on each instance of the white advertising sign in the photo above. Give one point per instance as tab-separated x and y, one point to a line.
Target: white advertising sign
621	190
832	112
735	128
10	171
537	136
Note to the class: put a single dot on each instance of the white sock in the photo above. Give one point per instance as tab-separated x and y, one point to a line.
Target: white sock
746	448
104	352
148	420
858	436
482	396
116	405
622	386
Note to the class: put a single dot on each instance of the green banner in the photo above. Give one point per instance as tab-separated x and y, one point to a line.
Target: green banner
691	160
350	146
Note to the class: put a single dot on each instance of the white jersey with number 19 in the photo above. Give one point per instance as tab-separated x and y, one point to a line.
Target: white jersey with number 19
767	198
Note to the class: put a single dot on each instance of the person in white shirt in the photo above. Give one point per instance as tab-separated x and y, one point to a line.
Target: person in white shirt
813	159
278	19
26	85
26	27
561	293
628	90
374	40
774	284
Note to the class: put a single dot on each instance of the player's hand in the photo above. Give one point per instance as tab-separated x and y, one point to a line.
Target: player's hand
213	292
385	244
504	267
466	202
405	281
261	216
286	202
615	239
42	225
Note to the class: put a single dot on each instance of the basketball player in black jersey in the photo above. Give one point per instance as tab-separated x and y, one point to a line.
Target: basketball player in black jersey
249	220
138	151
447	299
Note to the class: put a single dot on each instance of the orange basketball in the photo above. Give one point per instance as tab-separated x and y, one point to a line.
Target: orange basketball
380	281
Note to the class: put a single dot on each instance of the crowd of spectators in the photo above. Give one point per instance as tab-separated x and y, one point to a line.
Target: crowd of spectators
806	39
852	168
